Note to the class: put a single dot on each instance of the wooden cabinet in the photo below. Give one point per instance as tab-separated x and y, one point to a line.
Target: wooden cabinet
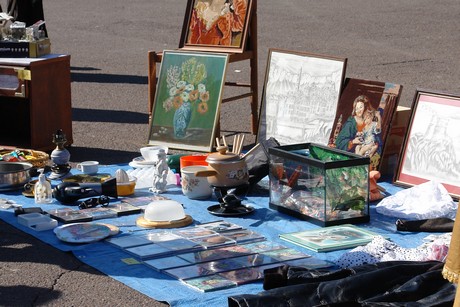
35	101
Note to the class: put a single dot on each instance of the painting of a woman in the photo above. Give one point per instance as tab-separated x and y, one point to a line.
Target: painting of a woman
217	22
363	118
351	134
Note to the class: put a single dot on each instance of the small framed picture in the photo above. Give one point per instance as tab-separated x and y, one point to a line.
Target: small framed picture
187	100
216	25
300	97
431	149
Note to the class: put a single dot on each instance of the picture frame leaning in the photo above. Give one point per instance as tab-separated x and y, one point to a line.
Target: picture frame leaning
187	101
430	150
216	25
364	116
300	96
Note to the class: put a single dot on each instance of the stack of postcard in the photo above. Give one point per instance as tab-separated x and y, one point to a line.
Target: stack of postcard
330	238
70	215
210	283
220	226
227	279
154	245
228	265
211	256
128	240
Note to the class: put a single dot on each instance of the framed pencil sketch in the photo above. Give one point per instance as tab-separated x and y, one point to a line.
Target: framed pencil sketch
300	96
216	25
431	150
363	119
187	100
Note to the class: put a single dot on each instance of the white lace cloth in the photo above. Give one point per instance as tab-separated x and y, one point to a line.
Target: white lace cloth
381	249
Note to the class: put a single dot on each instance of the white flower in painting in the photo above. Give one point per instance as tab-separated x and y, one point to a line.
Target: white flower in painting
201	88
168	104
181	84
189	87
184	96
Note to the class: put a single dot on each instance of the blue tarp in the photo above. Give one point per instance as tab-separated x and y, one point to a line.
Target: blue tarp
109	259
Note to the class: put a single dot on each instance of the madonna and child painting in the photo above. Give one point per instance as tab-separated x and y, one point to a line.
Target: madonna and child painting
363	118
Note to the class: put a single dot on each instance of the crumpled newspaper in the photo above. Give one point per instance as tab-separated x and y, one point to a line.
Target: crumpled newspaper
425	201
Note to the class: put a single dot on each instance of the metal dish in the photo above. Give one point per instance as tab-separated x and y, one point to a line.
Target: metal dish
13	175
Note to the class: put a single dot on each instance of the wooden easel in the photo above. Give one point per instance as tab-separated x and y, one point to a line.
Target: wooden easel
249	53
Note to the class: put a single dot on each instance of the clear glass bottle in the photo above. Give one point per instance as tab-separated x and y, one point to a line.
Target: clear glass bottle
42	191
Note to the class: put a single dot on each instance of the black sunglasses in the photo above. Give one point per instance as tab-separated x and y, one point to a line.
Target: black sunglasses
94	202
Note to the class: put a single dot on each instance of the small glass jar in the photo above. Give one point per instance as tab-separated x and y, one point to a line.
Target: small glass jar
18	30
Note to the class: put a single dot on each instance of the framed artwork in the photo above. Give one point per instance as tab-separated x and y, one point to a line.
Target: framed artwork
187	100
363	118
216	25
330	238
431	151
300	97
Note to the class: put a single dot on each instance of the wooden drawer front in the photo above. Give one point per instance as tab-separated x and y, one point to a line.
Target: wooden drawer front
13	81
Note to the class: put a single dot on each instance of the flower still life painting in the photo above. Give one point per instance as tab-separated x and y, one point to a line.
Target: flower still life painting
364	114
187	100
216	23
300	97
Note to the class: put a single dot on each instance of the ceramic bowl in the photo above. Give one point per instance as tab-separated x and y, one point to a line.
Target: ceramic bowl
150	153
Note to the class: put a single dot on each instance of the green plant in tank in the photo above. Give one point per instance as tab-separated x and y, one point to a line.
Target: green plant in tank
326	155
346	188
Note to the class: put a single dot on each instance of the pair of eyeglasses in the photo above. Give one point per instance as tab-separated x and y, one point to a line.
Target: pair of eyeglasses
94	202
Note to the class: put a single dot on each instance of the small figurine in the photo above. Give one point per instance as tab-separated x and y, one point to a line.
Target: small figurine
160	173
42	190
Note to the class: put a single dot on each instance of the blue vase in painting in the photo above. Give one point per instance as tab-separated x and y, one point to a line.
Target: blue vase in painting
181	120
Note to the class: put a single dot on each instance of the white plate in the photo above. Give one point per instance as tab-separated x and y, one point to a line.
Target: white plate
139	162
138	165
82	232
142	160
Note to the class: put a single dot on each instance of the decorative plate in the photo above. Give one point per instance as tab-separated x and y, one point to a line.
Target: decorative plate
113	229
82	232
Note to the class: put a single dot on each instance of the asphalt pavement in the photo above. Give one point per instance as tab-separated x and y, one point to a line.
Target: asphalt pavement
414	43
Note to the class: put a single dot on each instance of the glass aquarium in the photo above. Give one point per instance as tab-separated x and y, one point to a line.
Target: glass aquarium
320	184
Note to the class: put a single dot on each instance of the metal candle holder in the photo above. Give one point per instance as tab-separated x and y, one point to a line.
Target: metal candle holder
60	156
